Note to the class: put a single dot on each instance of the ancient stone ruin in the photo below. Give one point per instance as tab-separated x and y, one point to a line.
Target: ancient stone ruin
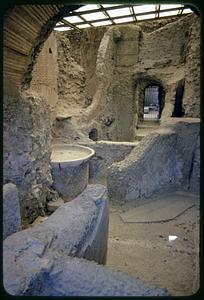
95	120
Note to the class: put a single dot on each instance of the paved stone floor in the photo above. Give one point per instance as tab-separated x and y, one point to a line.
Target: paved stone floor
144	250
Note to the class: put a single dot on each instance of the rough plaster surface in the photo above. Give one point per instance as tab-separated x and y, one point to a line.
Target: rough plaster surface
37	261
11	210
27	136
162	159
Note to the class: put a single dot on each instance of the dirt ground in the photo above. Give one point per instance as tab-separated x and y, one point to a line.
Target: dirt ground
144	251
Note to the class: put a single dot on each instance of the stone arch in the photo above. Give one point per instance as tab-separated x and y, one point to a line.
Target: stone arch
26	27
141	81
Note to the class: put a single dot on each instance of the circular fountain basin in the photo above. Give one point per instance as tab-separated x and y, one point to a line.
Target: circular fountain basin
70	169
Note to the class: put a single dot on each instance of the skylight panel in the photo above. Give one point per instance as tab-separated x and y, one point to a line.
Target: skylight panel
109	5
168	13
73	19
87	7
83	25
119	12
102	23
123	20
145	17
143	8
62	28
187	11
94	16
169	6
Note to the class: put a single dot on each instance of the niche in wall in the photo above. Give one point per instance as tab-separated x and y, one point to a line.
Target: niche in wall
178	105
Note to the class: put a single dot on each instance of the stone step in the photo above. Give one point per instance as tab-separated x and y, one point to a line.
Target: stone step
144	130
147	126
149	123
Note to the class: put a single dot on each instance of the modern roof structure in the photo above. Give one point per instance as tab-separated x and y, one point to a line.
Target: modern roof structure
94	15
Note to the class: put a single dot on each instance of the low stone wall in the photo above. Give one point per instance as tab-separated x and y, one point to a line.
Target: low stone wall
106	153
162	159
38	262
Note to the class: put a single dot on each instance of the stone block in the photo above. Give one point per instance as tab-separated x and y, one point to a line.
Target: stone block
11	210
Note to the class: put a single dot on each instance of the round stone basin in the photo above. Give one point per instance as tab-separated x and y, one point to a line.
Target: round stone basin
71	155
70	169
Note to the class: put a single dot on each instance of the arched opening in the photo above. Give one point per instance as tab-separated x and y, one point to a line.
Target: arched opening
153	102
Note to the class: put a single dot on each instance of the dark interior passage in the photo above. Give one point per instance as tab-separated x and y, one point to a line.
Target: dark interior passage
178	106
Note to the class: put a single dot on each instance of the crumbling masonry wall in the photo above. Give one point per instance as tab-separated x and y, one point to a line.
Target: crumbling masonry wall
164	51
45	75
27	128
27	137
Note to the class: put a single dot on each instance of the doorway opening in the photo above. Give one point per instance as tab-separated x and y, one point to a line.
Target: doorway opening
152	103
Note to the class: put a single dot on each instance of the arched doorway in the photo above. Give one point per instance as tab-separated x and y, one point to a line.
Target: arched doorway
153	102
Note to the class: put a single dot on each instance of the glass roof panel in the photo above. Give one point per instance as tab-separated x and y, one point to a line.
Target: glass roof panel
168	6
83	26
187	11
109	5
73	19
87	7
102	23
145	17
62	28
125	13
123	20
94	16
168	13
119	12
143	8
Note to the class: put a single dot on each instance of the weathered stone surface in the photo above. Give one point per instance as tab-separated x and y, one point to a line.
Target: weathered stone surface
77	277
37	261
195	169
11	210
53	205
27	137
162	159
